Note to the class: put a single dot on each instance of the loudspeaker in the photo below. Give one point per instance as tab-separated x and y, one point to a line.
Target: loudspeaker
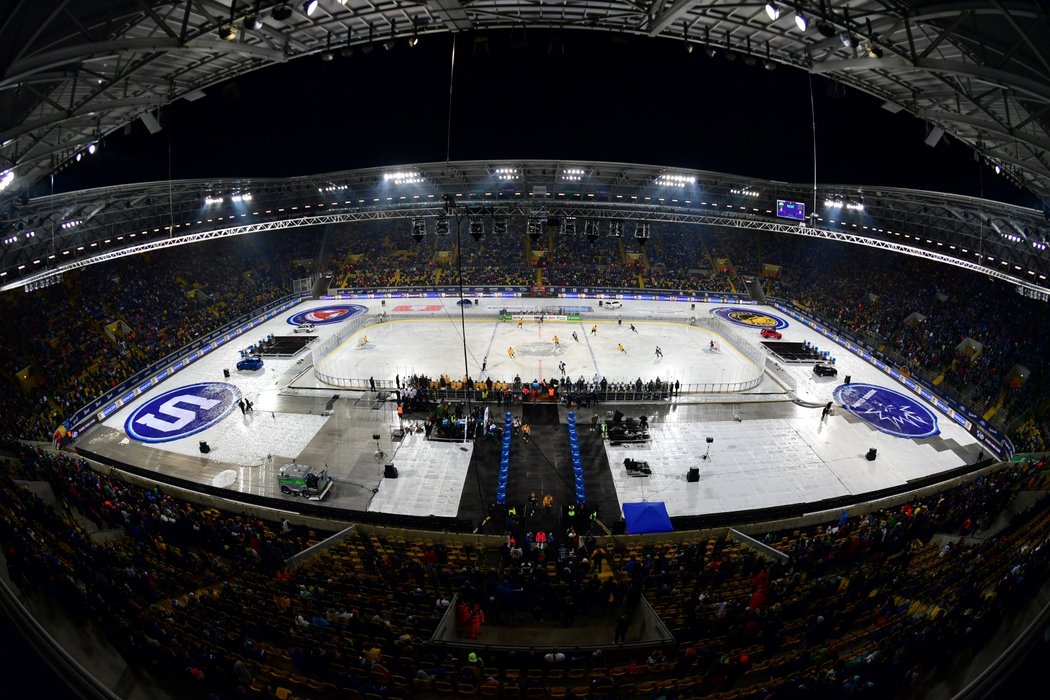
390	472
871	455
204	447
226	373
693	475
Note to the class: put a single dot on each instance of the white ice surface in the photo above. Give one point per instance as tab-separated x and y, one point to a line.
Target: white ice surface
754	463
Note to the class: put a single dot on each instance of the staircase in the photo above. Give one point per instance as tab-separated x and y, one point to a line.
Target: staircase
999	401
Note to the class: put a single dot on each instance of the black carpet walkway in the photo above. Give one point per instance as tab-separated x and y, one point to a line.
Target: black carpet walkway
541	465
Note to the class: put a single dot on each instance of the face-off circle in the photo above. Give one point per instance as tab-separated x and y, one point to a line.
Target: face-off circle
887	411
324	315
182	412
750	318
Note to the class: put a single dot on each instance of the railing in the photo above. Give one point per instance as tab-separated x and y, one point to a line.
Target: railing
326	369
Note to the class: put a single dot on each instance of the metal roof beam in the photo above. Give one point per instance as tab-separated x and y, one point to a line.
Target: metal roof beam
1032	89
455	17
669	16
25	68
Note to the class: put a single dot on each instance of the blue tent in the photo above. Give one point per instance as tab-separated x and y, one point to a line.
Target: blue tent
646	517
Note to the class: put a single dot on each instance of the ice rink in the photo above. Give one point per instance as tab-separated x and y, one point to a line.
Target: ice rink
434	346
778	452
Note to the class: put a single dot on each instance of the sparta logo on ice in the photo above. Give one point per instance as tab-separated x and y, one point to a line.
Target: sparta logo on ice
323	315
888	411
749	318
181	412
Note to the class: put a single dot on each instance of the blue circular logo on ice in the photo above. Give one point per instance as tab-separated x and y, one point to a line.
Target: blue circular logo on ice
888	411
181	412
326	314
749	317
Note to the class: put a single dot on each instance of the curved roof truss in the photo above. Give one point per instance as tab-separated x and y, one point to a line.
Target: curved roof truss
71	72
53	234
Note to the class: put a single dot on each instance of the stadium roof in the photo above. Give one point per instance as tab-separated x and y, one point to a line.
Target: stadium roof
66	231
72	72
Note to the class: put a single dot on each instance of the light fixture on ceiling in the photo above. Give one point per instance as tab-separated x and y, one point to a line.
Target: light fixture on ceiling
92	147
253	21
414	39
389	43
281	13
711	51
348	50
228	31
327	54
309	7
730	56
801	21
823	26
749	58
769	63
419	229
772	11
873	50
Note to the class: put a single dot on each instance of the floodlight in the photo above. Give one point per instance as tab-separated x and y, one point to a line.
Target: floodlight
772	11
92	147
801	22
419	229
281	13
81	155
6	178
476	225
253	22
309	7
228	32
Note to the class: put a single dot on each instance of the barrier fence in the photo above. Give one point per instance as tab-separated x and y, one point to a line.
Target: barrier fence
326	368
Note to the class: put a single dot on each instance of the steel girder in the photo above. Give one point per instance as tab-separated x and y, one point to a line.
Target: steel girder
76	71
94	225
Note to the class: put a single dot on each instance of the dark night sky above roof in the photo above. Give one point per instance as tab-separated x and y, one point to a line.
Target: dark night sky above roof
603	98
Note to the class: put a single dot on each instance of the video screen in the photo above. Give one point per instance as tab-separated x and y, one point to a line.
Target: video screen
786	209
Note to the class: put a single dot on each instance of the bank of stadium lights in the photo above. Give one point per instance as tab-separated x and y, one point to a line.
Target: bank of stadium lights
403	177
744	192
534	227
641	232
801	22
419	228
212	201
48	281
506	173
243	197
572	174
66	225
476	225
675	180
332	188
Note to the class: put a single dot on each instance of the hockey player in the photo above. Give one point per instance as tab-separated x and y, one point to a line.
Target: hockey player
557	342
575	337
659	352
619	346
510	352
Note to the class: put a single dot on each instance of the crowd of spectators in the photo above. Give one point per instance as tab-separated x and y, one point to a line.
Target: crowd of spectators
166	299
869	604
